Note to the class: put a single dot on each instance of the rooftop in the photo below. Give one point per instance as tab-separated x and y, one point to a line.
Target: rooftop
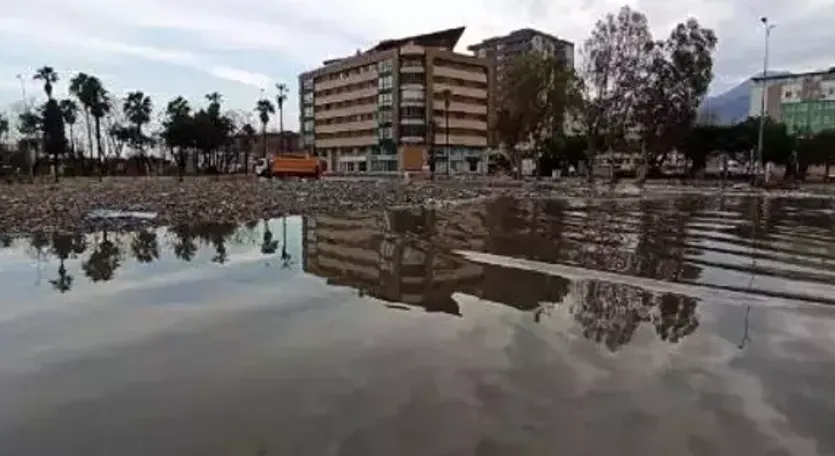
830	71
514	34
443	38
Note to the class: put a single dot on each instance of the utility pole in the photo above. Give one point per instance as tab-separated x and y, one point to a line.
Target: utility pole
761	133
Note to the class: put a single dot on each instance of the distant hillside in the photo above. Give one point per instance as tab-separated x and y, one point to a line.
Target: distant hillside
731	106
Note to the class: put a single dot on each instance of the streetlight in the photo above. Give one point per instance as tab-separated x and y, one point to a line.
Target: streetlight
447	94
768	26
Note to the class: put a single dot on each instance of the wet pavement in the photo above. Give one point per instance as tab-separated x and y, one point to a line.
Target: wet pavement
677	325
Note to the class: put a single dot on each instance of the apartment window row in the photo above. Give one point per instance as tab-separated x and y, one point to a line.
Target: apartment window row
412	131
413	94
307	83
347	104
385	132
385	66
459	66
307	97
412	112
460	82
440	130
461	115
307	111
307	126
462	99
346	134
384	116
384	99
346	88
347	119
412	78
411	62
385	82
344	74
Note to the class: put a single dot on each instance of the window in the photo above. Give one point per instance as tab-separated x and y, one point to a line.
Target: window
308	97
308	125
308	83
384	133
384	116
413	94
384	66
411	78
384	83
418	131
308	111
384	99
412	112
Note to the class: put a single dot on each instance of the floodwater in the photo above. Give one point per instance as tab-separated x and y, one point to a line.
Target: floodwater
697	325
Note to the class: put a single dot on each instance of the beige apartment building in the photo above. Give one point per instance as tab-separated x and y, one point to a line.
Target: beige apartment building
392	107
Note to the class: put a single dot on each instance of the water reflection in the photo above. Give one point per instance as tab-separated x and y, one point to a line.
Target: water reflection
407	257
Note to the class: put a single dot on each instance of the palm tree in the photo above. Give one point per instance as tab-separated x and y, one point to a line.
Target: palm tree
79	88
66	246
268	246
138	107
99	102
49	77
279	100
248	140
264	108
69	110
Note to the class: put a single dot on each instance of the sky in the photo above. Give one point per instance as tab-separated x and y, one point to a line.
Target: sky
239	47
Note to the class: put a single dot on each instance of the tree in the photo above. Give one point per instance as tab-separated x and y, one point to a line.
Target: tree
248	140
103	261
264	108
674	79
532	104
602	96
65	246
817	149
54	137
81	89
69	111
137	108
49	77
29	126
145	246
4	128
268	244
100	106
184	246
177	130
280	98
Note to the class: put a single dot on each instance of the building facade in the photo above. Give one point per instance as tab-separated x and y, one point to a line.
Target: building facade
389	108
501	50
805	103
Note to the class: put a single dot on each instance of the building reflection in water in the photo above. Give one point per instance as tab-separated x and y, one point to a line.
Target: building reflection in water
405	257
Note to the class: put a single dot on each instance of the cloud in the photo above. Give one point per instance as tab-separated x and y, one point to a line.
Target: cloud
251	43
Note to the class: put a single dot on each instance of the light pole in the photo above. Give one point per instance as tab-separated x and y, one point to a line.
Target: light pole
447	95
22	90
761	132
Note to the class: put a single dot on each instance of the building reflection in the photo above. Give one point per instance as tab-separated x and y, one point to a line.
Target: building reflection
405	257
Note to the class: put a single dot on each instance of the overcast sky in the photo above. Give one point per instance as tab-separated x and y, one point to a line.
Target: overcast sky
192	47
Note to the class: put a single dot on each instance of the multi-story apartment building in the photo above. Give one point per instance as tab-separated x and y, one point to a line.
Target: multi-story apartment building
388	108
805	102
501	50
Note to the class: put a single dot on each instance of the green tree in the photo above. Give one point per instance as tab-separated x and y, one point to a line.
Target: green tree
103	261
248	141
818	149
81	90
177	128
29	126
145	246
674	79
69	111
138	108
99	107
602	96
49	77
264	108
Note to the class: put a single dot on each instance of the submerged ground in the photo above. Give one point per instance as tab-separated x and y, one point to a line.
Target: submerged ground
656	324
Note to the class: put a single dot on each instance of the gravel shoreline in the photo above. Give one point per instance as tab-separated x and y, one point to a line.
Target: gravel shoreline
65	206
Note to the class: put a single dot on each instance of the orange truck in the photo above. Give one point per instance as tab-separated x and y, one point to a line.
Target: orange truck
296	165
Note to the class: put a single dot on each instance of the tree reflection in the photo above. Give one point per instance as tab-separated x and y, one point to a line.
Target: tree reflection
6	240
285	256
268	246
185	246
610	313
145	246
217	234
103	261
65	246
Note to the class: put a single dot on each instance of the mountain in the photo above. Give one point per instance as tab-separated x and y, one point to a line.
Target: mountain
731	106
